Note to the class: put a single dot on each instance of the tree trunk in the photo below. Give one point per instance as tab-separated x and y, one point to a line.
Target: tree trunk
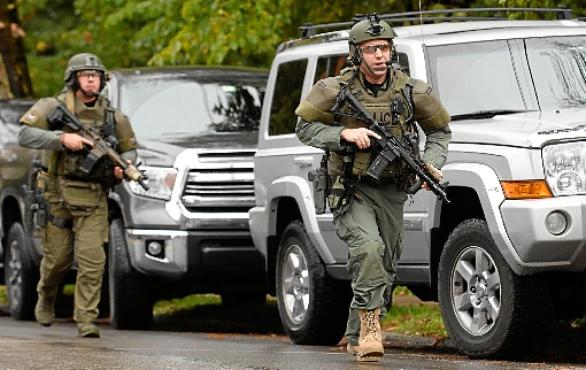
14	74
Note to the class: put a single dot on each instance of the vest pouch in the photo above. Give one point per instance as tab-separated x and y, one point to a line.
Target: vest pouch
361	163
81	198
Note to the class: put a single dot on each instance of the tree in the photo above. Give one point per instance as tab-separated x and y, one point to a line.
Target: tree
127	33
14	75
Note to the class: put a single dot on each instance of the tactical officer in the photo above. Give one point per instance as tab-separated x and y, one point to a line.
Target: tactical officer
77	201
368	214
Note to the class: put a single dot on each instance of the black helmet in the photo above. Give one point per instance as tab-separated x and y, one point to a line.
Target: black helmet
369	28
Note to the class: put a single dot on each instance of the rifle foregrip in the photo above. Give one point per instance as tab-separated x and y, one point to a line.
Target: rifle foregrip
415	187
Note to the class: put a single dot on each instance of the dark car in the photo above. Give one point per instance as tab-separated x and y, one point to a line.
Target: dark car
19	254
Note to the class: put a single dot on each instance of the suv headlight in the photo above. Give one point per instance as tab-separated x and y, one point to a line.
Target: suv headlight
565	169
160	180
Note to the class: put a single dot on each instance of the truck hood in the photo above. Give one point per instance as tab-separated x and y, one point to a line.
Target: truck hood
163	152
531	129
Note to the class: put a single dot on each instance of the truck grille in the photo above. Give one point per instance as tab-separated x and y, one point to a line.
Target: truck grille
220	182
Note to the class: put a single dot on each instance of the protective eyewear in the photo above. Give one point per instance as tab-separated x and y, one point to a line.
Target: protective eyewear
371	49
88	73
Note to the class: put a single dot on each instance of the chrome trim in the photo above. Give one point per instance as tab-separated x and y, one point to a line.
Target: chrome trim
175	245
212	166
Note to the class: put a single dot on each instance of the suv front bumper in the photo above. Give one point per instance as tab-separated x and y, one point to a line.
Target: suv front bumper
193	253
525	222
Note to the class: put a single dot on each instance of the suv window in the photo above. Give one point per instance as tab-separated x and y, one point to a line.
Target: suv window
557	65
10	113
286	97
478	76
329	66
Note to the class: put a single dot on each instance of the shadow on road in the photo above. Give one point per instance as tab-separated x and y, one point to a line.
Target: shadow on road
221	319
560	343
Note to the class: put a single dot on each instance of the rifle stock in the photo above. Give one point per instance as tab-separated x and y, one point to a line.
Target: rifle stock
99	149
393	148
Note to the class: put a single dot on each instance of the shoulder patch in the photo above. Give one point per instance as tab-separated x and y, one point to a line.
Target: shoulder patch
37	115
421	87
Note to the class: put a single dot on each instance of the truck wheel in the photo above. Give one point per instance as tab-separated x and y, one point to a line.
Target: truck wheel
487	309
313	307
20	274
131	306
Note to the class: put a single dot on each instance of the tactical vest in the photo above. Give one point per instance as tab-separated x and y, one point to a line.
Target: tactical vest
381	107
100	119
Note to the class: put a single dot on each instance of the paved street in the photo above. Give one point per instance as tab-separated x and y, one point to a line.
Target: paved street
26	345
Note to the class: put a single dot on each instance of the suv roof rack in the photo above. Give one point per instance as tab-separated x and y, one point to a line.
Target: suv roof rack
430	16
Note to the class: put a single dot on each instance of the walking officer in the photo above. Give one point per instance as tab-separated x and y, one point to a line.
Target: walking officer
77	222
368	213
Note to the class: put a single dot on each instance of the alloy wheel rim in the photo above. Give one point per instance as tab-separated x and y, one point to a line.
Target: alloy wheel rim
14	276
476	290
295	284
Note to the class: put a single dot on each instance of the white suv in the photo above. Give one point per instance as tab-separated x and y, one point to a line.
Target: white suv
508	252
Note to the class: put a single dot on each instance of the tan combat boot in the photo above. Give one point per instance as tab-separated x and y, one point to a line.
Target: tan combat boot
44	311
88	330
370	344
351	349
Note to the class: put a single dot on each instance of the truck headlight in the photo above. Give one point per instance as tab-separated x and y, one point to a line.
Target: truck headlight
565	169
160	180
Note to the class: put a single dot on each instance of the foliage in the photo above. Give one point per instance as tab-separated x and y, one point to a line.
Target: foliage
127	33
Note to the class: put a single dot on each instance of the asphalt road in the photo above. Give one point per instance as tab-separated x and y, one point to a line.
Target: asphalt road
26	345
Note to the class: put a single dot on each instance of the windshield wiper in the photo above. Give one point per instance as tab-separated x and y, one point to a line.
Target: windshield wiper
487	114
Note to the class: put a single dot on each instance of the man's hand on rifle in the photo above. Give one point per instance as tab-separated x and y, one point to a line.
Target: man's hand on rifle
74	142
119	172
435	173
358	136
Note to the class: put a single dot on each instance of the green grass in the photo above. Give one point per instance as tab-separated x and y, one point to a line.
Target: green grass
185	304
3	297
421	319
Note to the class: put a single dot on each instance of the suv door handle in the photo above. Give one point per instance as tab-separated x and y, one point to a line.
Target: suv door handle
303	161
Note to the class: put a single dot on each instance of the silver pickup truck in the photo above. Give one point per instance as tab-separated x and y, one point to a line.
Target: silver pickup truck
196	129
509	252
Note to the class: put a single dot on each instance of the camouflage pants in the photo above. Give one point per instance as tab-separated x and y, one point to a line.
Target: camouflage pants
372	227
85	239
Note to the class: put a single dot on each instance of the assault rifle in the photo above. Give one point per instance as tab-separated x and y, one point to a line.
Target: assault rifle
62	117
391	149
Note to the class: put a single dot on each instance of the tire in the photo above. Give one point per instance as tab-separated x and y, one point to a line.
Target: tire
21	275
313	307
131	306
487	309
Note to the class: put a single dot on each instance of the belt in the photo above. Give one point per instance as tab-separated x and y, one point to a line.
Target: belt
371	181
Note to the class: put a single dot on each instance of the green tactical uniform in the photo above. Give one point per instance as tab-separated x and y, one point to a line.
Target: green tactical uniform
77	202
371	223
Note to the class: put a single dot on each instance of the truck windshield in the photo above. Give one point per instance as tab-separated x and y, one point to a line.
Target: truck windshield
510	75
167	107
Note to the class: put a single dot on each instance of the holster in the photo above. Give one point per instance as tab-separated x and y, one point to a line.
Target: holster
321	184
